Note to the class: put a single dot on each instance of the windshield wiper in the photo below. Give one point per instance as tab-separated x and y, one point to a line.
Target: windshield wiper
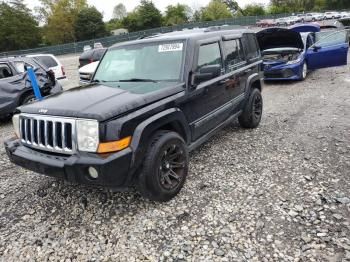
138	80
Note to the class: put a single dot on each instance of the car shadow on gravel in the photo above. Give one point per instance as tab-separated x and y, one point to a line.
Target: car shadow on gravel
310	76
5	121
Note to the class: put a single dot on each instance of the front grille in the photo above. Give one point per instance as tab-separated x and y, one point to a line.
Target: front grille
284	73
53	134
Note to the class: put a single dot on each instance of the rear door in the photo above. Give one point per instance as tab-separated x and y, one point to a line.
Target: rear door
234	60
330	50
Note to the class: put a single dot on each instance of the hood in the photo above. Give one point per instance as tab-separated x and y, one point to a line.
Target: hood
102	102
306	28
89	68
279	37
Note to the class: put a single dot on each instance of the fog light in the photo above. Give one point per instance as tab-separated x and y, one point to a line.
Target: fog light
93	172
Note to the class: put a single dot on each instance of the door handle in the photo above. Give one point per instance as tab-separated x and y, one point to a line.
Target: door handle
225	81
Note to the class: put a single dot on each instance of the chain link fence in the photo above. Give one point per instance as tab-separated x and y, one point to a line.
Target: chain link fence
77	47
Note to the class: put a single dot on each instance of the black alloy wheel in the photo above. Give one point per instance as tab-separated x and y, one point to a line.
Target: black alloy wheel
165	167
252	112
257	107
172	167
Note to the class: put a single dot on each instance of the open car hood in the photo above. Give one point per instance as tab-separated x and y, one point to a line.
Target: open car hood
279	37
304	28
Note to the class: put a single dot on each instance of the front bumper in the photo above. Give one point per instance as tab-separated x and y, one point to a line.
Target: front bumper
113	169
285	72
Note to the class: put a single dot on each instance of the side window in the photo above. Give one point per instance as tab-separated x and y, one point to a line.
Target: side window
21	66
251	46
309	41
209	55
5	71
335	38
47	61
234	53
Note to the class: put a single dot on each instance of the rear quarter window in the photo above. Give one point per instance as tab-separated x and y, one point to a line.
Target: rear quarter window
251	46
47	61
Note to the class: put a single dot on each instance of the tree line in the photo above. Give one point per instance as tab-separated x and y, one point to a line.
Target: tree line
65	21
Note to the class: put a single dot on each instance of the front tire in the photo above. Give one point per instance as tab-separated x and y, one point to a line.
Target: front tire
252	112
304	72
165	167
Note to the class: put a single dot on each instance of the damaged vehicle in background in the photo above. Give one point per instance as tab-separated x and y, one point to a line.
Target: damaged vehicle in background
91	56
289	55
87	72
51	62
15	86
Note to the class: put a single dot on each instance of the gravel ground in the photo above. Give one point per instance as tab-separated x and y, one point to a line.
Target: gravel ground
277	193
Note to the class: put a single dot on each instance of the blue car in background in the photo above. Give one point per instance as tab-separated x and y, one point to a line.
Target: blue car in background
290	53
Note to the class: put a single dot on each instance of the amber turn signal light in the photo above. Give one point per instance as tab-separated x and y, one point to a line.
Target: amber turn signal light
114	146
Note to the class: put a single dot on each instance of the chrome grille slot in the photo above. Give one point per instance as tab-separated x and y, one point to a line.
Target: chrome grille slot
48	133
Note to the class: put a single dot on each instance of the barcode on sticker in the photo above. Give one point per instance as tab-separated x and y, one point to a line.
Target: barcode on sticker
170	47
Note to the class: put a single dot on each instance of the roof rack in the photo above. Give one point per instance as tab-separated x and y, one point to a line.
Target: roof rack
223	27
149	36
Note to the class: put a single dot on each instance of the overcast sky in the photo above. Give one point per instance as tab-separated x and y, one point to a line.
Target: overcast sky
106	6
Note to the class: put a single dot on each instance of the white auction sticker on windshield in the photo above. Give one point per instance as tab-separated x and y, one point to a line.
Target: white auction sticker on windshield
173	47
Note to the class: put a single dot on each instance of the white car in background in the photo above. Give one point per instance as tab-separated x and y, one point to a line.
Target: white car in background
332	15
345	14
306	17
295	19
53	64
86	72
317	16
284	21
86	48
98	45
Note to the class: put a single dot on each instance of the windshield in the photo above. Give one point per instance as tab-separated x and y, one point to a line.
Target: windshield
153	62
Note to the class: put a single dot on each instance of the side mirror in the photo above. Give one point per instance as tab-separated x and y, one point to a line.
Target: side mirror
316	48
206	73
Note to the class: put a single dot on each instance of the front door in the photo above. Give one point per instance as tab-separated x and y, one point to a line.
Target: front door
330	50
205	107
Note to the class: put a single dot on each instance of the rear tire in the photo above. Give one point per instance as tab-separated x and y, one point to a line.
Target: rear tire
165	167
252	112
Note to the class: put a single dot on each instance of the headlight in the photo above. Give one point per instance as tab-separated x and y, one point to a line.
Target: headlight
294	61
15	122
87	135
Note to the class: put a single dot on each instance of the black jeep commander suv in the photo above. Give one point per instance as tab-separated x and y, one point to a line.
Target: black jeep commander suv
150	102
